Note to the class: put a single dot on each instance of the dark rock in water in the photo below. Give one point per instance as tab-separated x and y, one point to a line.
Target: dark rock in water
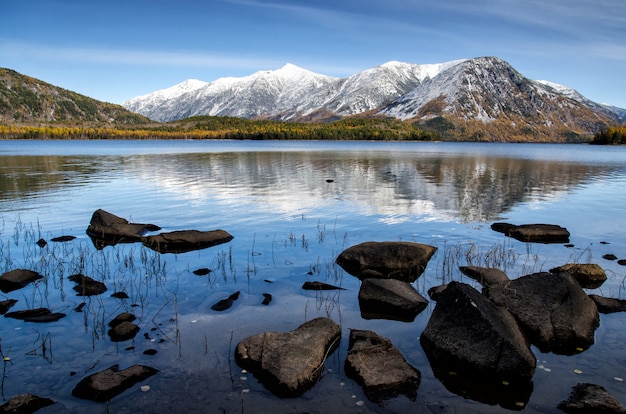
267	299
104	385
435	291
315	285
386	260
390	299
609	256
120	295
62	239
588	398
40	315
86	286
552	309
224	304
123	331
288	364
122	317
621	262
469	335
106	229
80	306
17	279
486	276
186	240
7	304
42	243
202	272
609	305
588	275
150	352
379	367
538	233
25	404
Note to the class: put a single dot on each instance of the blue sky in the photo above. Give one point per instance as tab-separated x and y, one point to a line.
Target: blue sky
114	50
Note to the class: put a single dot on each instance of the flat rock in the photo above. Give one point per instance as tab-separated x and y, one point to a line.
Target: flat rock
317	285
552	309
86	286
7	304
25	404
588	398
386	260
486	276
226	303
609	305
390	299
186	240
588	275
40	315
106	229
104	385
17	279
379	367
122	317
123	331
538	233
288	364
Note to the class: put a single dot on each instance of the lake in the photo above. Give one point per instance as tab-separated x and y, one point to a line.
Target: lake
292	207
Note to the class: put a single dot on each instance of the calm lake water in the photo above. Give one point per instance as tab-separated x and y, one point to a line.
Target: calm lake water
292	207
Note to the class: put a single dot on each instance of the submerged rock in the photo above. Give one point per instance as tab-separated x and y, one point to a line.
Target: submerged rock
588	398
390	299
379	367
104	385
186	240
106	229
17	279
609	305
25	404
288	364
86	286
40	315
7	304
226	303
123	331
386	260
538	233
62	239
588	275
315	285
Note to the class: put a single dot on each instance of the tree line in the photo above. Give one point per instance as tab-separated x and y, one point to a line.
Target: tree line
611	136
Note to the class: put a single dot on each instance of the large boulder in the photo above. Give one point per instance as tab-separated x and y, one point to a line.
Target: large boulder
588	275
386	260
186	240
106	229
470	336
588	398
379	367
104	385
554	311
290	363
17	279
539	233
25	404
390	299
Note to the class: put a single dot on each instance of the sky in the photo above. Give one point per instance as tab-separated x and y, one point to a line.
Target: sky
115	50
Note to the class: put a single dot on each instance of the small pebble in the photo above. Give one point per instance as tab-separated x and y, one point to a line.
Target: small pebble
145	388
577	371
618	379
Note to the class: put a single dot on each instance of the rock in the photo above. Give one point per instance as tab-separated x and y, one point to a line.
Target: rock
7	304
40	315
539	233
267	299
435	291
486	276
104	385
42	243
588	275
551	308
120	295
609	305
106	229
588	398
390	299
122	317
387	260
609	256
25	404
315	285
469	335
186	240
17	279
290	363
379	367
202	271
123	331
226	303
62	239
86	286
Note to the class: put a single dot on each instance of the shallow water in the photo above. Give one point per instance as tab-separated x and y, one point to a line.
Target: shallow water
292	208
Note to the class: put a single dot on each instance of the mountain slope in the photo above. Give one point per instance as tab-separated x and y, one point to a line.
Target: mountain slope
27	100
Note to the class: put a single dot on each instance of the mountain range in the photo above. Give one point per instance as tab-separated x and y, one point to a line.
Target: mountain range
477	97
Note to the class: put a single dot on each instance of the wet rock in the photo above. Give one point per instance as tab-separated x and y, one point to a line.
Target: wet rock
379	367
621	262
315	285
122	317
40	315
386	260
17	279
106	229
588	275
25	404
86	286
609	305
104	385
202	271
609	256
288	364
42	243
552	309
469	335
123	331
62	239
486	276
435	291
267	299
226	303
120	295
588	398
186	240
390	299
7	304
539	233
